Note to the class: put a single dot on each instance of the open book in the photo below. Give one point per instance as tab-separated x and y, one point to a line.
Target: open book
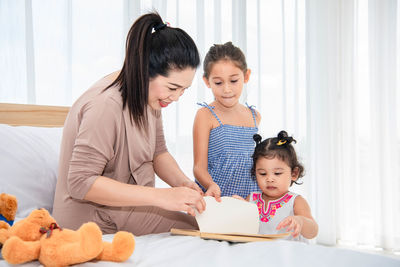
231	220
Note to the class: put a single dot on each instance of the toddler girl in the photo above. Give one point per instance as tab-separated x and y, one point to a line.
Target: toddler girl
276	168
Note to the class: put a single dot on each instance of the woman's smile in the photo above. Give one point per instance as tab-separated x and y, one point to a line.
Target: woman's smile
163	104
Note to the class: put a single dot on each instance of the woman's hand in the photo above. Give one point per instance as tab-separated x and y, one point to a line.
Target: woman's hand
181	199
193	186
293	223
214	191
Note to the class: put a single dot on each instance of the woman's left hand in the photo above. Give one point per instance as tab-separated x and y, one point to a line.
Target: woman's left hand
193	186
293	223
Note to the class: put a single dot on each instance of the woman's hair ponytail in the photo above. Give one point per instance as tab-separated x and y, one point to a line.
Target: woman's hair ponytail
152	49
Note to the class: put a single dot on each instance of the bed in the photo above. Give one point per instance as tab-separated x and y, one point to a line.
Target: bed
28	163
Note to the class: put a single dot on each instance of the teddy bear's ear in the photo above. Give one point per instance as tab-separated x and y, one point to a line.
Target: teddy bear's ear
9	205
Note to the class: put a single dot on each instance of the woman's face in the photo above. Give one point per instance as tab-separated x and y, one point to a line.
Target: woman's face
164	90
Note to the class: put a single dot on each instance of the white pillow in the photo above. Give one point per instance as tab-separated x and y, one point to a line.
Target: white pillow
29	165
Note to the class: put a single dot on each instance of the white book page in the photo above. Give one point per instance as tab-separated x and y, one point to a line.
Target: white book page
229	216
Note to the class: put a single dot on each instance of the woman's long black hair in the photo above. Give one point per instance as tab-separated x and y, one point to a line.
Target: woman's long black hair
152	49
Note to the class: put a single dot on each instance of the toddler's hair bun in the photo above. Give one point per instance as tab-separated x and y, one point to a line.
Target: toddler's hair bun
284	139
282	135
257	138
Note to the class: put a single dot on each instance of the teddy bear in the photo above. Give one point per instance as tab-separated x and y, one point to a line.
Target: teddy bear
38	237
8	209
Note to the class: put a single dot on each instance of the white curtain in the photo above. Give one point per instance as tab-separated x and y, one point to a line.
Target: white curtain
353	121
325	70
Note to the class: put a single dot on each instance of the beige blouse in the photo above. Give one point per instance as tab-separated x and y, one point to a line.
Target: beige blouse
99	139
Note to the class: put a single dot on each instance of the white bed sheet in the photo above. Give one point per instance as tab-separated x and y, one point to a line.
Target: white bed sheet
166	250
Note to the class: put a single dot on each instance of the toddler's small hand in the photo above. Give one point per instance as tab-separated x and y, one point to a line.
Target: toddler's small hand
238	197
293	223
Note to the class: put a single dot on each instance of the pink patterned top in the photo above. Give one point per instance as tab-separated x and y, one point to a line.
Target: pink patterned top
273	212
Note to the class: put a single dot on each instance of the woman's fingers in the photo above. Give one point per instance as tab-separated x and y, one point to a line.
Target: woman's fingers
194	200
192	206
190	210
194	186
209	193
181	199
200	205
198	189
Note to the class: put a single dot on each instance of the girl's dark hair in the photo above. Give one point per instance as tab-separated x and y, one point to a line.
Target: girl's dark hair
152	49
225	51
279	147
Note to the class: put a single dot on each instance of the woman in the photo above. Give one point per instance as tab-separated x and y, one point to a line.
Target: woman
113	141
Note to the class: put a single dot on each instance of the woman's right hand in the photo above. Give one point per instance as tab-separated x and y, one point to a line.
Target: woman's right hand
214	191
181	199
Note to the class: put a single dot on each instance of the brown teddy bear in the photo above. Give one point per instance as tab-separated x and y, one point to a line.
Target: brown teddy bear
8	209
38	237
